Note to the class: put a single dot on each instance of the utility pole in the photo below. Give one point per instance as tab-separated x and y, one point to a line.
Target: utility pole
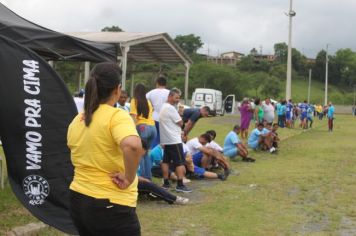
291	14
310	73
326	75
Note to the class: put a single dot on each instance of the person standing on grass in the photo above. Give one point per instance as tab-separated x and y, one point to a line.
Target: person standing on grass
310	114
245	117
233	146
331	117
170	124
289	113
158	97
258	113
282	114
268	110
105	152
141	112
303	114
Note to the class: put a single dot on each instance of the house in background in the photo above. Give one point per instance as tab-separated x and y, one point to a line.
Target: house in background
226	58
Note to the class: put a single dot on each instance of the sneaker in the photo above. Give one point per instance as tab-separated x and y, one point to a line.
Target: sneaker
185	181
249	159
222	177
272	149
181	200
166	186
183	189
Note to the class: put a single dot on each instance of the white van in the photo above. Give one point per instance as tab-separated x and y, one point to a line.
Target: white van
213	99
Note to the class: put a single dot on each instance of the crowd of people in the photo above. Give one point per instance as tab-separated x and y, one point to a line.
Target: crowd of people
287	112
118	147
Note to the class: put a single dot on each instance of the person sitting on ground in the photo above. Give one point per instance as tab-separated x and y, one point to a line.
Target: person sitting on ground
156	156
197	171
192	115
145	186
214	145
260	138
122	102
204	156
234	147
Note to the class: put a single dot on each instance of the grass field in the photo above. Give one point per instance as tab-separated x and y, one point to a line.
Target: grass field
308	188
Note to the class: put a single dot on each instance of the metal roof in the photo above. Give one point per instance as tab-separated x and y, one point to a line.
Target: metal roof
144	47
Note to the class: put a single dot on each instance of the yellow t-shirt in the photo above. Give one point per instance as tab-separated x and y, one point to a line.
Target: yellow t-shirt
95	153
140	119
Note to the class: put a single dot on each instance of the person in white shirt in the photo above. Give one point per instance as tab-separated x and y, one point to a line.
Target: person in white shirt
268	110
79	100
158	97
122	104
170	124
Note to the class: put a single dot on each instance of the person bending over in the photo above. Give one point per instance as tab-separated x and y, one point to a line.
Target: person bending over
192	115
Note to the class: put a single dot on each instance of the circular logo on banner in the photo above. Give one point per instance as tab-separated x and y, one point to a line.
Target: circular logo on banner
36	189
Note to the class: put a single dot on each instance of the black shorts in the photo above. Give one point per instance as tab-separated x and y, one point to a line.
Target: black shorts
93	216
173	154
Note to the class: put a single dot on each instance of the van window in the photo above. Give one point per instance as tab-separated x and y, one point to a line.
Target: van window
199	97
209	98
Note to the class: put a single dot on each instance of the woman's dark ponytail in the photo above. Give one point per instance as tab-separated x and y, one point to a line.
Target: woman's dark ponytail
91	100
104	78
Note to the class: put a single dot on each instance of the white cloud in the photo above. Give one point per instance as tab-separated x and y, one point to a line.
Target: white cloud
224	25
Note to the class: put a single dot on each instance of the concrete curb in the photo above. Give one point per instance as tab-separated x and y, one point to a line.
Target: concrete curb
27	230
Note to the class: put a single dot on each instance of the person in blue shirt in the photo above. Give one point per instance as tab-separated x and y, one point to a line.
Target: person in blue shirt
310	114
234	147
289	113
303	114
282	114
261	137
331	117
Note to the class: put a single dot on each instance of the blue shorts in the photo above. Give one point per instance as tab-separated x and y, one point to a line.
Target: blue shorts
199	171
303	116
232	152
288	116
253	145
197	158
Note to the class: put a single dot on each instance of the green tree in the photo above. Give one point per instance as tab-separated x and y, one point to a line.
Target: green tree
281	52
189	43
113	28
271	87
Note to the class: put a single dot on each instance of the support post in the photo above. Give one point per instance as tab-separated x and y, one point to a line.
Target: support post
291	14
186	82
2	173
125	50
86	71
310	73
326	76
132	85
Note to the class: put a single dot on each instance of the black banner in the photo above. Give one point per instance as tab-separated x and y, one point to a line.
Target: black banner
35	111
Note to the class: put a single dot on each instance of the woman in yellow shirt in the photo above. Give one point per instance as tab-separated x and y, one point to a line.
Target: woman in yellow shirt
141	111
105	152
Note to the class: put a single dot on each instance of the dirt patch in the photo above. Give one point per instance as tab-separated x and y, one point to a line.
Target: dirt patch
347	226
313	226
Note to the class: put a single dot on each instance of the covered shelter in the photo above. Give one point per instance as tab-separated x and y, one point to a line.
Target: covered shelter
140	48
50	44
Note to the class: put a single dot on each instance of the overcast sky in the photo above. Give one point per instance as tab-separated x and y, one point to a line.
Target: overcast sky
223	25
